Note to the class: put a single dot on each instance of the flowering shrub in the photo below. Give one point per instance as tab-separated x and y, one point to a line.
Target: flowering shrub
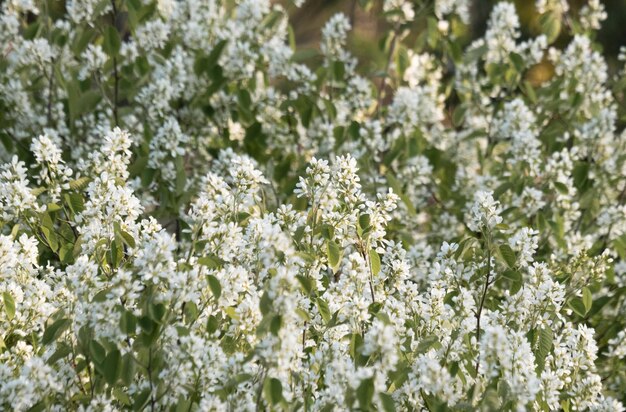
197	216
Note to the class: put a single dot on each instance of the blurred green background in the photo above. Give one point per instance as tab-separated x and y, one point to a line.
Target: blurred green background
368	27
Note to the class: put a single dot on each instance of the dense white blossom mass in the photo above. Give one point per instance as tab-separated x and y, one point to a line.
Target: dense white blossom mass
195	215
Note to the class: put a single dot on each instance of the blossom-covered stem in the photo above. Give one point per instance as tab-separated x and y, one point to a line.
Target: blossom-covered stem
50	91
383	79
194	239
371	279
149	370
116	77
482	300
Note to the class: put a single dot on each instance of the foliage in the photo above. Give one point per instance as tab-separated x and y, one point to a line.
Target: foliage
196	215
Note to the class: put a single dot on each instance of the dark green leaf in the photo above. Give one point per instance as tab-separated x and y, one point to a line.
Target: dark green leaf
112	366
508	255
215	286
273	390
53	331
112	42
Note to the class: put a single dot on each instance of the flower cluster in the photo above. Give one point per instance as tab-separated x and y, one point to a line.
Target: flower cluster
194	215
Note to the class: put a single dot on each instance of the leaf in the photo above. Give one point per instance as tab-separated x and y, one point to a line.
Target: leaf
51	238
127	371
211	262
508	255
387	401
544	346
458	116
62	351
88	101
53	331
275	324
323	308
374	262
112	42
112	366
127	238
334	254
75	202
426	343
587	299
9	305
577	305
96	351
216	52
545	341
518	61
128	323
117	253
550	24
364	221
365	393
561	187
214	285
273	390
141	399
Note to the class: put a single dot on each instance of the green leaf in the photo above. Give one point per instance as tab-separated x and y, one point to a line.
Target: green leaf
374	262
323	308
215	286
508	255
273	390
51	238
52	207
111	367
112	42
458	116
75	201
62	351
275	324
561	187
518	61
121	396
550	24
387	401
215	53
53	331
141	399
127	238
211	262
364	221
88	101
365	394
544	346
334	254
426	343
96	351
128	323
127	372
157	311
545	341
587	299
577	305
9	305
117	253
